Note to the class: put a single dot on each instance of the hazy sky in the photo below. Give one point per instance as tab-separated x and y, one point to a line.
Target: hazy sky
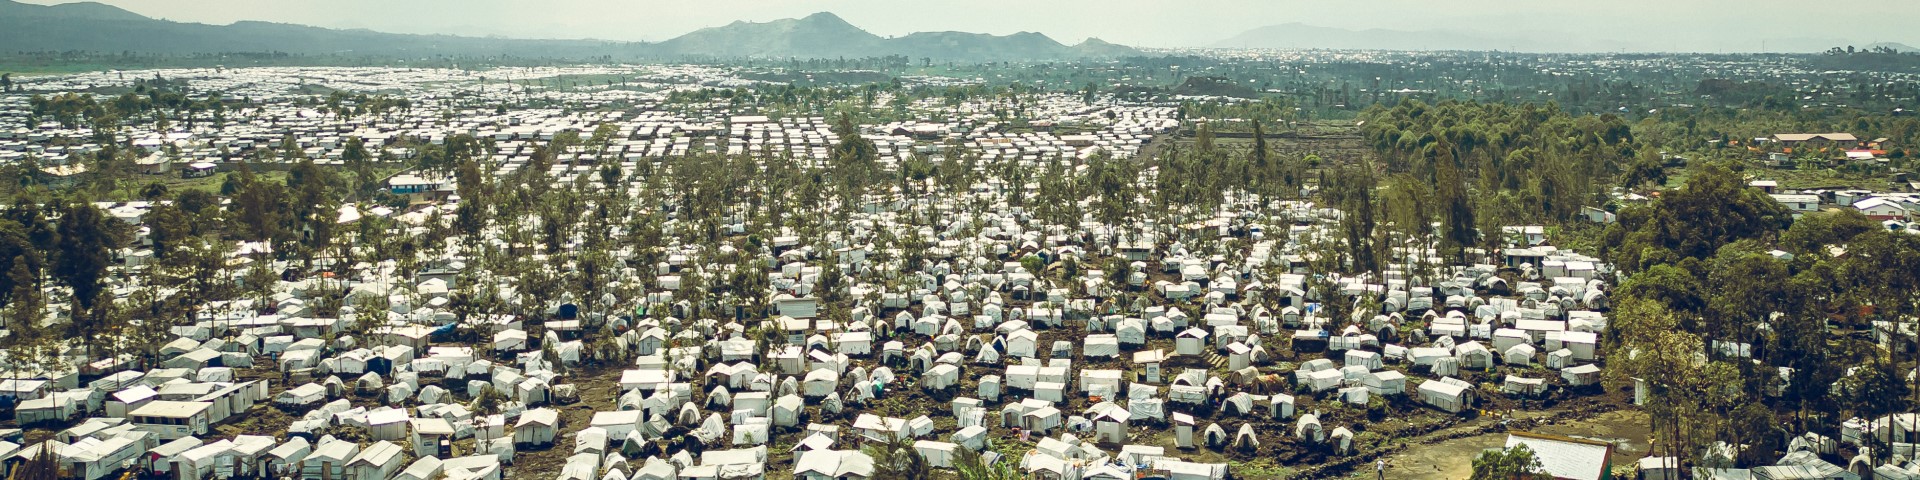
1693	25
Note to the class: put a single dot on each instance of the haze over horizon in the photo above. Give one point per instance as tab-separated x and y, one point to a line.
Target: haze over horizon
1526	26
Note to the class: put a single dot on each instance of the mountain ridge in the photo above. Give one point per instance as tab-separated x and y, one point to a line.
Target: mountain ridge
76	10
1896	46
90	26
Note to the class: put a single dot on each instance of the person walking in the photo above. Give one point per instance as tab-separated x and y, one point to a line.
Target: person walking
1380	469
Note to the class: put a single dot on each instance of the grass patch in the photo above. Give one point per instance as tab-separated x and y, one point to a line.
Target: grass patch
1260	468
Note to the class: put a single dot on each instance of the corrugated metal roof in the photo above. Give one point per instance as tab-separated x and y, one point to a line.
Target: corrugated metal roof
1567	458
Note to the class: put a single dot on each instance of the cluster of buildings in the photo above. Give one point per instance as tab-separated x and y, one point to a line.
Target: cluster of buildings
272	109
1217	335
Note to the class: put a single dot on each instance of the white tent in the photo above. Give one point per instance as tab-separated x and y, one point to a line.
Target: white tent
1521	354
536	427
820	382
1517	385
940	377
1559	359
1362	358
1101	346
1446	396
1581	375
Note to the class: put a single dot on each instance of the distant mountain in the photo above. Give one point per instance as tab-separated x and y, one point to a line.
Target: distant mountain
978	46
80	10
1303	36
102	28
1097	48
825	35
1898	47
818	35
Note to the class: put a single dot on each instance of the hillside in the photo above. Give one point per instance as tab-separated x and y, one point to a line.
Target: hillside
102	28
977	46
817	35
825	35
1897	47
78	11
1097	48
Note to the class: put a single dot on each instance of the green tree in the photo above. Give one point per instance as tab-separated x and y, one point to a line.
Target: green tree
1714	208
1813	232
896	458
1450	192
85	252
1749	285
969	464
87	243
1353	188
854	159
360	163
167	224
315	210
1513	463
603	137
153	191
20	255
470	215
24	302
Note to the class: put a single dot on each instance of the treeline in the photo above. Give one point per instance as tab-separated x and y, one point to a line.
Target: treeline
56	253
1731	310
1529	163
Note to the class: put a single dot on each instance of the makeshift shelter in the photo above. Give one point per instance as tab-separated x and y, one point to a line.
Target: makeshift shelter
1308	429
304	396
170	420
1386	382
1446	396
1519	355
387	424
1517	385
1280	407
1101	346
940	377
1192	341
1473	356
286	456
1215	436
1323	380
1582	375
1244	439
1182	430
426	468
329	460
820	382
1342	439
380	460
56	408
1110	423
1559	359
1362	358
